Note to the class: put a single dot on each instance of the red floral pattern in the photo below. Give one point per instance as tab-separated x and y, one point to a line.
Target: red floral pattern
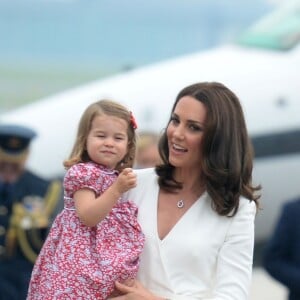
80	262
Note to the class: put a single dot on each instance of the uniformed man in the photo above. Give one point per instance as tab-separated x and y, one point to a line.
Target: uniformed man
27	203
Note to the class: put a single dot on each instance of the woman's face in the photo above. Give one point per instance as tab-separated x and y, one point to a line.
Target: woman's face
185	132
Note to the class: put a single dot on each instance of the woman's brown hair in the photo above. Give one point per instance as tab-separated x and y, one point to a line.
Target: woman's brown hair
227	151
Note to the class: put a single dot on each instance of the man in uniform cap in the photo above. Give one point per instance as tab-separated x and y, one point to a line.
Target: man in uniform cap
27	203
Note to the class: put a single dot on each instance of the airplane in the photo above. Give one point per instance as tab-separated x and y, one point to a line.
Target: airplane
262	68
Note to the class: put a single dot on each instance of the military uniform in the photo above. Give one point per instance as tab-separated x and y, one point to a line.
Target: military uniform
27	205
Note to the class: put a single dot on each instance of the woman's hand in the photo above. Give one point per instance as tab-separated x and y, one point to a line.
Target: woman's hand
134	291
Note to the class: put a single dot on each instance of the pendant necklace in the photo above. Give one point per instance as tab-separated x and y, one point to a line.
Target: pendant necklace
180	204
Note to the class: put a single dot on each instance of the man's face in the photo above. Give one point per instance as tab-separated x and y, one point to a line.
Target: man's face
11	171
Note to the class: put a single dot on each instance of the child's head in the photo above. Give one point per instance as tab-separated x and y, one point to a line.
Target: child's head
106	135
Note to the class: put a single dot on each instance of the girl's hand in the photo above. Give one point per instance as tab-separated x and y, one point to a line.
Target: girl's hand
134	291
126	180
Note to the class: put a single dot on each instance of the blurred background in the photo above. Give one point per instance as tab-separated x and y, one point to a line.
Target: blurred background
50	46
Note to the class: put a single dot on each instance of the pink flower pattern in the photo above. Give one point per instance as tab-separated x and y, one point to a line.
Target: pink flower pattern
80	262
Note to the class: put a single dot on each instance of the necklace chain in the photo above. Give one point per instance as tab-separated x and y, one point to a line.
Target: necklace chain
180	203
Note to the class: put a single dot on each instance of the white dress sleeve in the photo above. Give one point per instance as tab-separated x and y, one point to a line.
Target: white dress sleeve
235	259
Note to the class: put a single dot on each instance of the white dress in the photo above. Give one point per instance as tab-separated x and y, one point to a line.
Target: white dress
204	256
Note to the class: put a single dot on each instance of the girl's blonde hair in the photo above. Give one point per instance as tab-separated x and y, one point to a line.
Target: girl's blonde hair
99	108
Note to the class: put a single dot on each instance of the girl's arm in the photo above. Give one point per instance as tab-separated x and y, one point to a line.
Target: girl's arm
92	210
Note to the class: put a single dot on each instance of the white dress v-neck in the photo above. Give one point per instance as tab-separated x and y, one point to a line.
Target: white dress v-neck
204	256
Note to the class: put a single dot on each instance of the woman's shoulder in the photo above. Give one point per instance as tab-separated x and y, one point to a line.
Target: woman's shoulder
146	184
145	173
146	178
246	206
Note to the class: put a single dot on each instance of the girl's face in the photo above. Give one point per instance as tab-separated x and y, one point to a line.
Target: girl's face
107	141
185	132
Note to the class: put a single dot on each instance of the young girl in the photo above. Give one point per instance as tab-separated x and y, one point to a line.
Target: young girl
96	239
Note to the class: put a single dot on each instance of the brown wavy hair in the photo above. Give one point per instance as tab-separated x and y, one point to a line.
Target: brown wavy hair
227	151
102	107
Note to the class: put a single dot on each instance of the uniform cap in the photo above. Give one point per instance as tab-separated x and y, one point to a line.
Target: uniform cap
14	141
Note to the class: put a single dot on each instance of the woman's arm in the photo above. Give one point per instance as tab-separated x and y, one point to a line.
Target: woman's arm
235	259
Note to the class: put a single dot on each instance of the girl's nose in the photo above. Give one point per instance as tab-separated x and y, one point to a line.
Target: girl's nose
109	142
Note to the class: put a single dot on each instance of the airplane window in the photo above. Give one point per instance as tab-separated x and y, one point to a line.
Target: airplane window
280	30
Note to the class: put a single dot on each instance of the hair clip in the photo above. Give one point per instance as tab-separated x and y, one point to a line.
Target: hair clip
133	121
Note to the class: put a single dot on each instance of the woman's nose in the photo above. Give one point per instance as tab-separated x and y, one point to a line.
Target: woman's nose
179	131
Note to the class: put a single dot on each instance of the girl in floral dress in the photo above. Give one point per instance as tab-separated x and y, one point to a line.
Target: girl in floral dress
96	240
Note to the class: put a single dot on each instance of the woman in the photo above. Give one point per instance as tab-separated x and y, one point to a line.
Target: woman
197	208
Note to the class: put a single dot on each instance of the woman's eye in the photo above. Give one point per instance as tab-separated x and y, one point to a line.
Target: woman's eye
174	120
195	127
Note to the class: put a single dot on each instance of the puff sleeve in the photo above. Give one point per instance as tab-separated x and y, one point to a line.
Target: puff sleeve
82	176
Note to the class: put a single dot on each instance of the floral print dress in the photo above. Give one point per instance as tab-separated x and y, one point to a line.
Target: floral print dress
81	262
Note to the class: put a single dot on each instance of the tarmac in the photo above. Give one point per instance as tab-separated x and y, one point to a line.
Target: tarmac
264	287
